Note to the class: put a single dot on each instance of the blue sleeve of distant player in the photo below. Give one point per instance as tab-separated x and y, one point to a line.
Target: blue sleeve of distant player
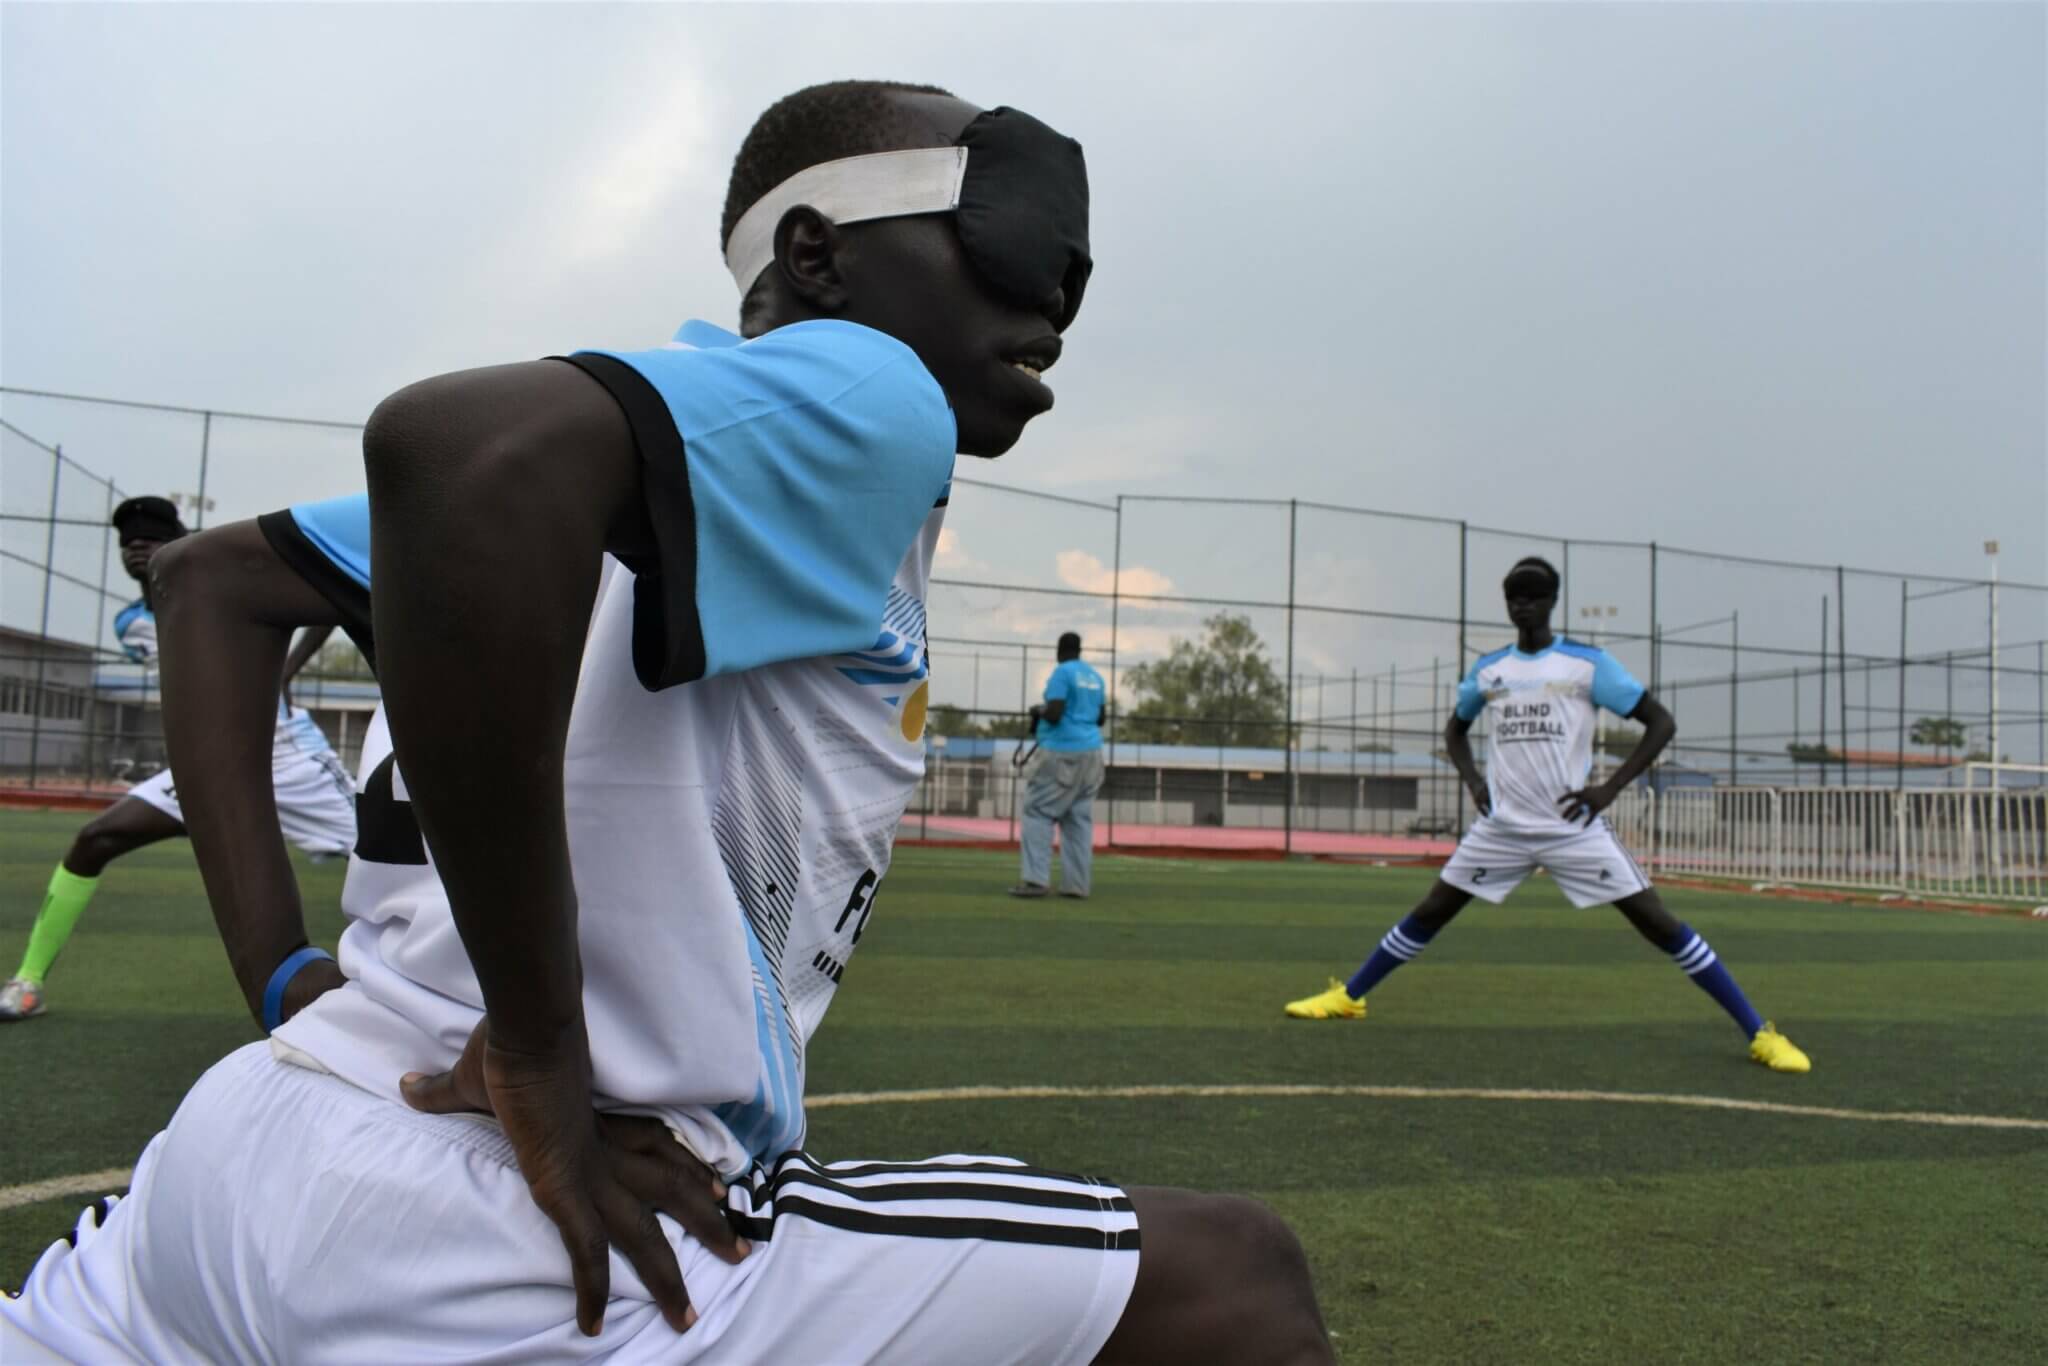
339	528
1471	701
785	478
125	618
1060	687
1614	687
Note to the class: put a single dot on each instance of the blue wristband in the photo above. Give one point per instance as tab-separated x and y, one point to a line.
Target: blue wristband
273	995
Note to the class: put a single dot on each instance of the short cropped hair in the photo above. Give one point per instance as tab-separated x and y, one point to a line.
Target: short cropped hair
1070	644
1536	562
817	124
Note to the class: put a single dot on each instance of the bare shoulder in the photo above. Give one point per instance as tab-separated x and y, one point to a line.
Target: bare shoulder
543	402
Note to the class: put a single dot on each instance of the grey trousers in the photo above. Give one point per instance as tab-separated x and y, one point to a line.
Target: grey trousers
1060	789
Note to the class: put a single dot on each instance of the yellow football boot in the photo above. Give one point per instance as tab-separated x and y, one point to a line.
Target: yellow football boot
1774	1051
1334	1004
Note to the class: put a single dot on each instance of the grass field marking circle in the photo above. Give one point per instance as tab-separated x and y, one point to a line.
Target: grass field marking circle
115	1178
1281	1091
57	1187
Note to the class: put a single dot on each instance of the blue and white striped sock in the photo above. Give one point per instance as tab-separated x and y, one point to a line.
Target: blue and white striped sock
1697	960
1400	945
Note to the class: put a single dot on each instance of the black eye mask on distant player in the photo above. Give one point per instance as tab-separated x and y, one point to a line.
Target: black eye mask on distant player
1018	192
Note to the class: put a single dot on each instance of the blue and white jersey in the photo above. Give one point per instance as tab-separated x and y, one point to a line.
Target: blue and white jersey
747	730
1080	724
1541	714
135	631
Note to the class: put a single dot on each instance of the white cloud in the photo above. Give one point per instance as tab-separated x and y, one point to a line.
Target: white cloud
953	559
1079	569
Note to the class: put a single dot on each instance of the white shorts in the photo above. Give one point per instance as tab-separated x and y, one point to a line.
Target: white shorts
316	800
286	1215
1590	866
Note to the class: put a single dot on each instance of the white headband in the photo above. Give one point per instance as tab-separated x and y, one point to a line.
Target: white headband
851	190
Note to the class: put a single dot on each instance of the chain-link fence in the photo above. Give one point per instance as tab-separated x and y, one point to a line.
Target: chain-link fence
1323	733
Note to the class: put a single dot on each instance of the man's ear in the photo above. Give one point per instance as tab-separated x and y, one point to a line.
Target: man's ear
807	246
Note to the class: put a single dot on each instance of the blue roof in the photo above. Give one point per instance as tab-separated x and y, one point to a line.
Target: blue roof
1234	757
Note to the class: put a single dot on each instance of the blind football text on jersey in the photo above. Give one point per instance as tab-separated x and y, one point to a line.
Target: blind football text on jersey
733	778
1541	716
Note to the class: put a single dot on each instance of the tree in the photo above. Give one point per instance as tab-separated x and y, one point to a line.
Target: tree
957	723
1942	732
1618	742
338	658
1221	690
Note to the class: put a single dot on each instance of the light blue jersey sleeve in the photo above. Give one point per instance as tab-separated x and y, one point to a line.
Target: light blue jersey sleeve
135	631
1614	687
785	478
1471	699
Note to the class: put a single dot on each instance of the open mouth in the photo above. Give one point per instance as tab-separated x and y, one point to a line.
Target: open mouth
1035	358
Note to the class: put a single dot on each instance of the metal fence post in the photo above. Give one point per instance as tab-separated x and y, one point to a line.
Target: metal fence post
1842	665
1116	584
1823	690
1655	680
1287	734
205	447
92	705
35	724
1901	760
1734	689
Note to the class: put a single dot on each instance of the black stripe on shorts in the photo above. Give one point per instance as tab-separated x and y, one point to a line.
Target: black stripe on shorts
938	1226
950	1190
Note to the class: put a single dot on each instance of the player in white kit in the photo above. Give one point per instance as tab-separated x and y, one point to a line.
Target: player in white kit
314	805
695	577
1542	696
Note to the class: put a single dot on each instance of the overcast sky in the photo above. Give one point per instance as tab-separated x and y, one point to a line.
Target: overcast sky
1760	278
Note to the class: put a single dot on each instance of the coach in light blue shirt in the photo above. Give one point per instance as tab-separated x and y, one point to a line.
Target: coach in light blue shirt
1065	776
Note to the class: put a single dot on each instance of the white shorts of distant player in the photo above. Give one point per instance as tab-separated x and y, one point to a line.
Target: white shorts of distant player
286	1215
316	799
1589	865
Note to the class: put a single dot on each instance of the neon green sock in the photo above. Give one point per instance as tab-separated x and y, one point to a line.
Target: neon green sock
62	905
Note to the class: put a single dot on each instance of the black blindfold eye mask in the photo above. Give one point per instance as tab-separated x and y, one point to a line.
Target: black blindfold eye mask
1018	192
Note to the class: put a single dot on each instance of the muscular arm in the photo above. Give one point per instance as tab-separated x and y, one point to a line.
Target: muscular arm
494	494
226	606
1458	748
309	643
1660	727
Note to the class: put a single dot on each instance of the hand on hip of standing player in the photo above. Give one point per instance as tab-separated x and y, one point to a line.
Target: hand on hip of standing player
600	1178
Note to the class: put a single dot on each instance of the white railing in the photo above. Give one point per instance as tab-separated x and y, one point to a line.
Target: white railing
1967	843
1720	832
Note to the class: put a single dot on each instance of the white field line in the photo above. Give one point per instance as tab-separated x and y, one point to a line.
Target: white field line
1768	1107
101	1182
57	1187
